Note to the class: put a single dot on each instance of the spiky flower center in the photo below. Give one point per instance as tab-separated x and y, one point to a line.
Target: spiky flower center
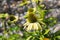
32	18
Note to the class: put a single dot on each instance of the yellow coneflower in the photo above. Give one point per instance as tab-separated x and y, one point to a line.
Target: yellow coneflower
32	23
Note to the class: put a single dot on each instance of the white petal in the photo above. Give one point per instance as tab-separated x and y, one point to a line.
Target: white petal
35	26
28	28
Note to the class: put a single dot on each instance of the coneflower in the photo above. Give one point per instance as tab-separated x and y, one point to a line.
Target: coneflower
32	23
13	18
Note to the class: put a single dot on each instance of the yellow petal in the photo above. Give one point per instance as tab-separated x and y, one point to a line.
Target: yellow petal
31	26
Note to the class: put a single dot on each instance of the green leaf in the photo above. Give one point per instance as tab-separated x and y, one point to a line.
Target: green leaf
41	37
29	38
46	31
58	37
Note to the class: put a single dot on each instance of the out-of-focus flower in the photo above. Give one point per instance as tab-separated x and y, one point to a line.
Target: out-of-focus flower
46	39
13	18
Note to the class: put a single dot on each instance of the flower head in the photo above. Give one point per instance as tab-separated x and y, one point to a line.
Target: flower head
32	21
